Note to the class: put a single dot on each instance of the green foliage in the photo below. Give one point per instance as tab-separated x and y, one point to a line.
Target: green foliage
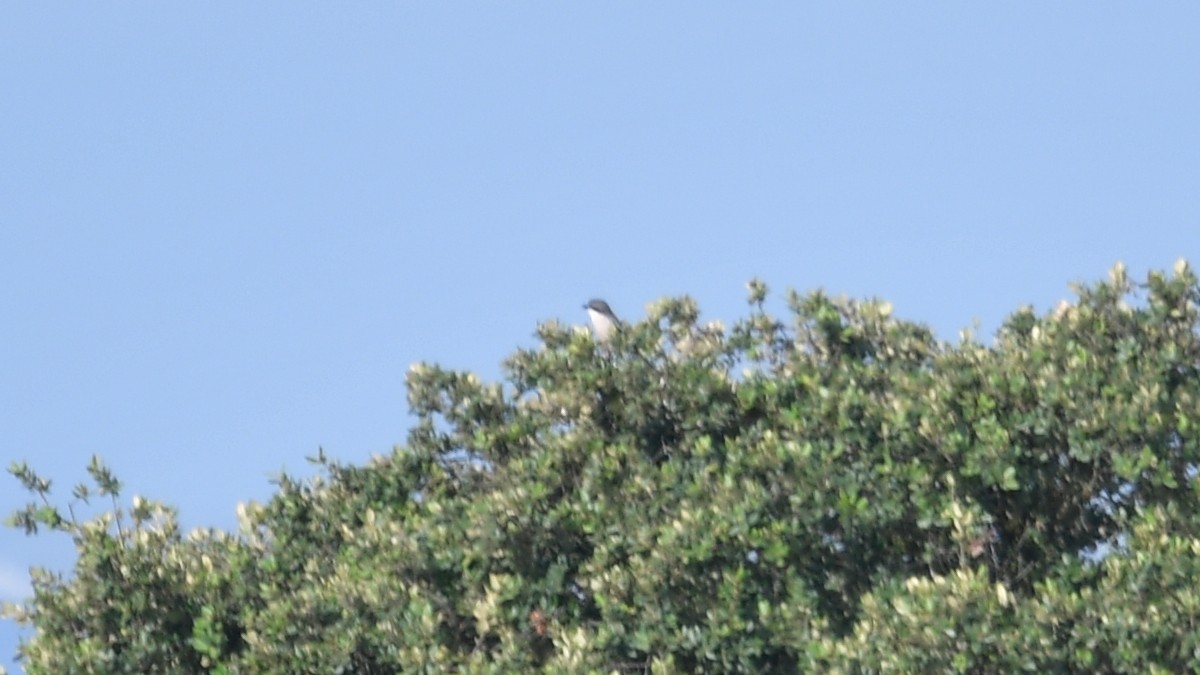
834	492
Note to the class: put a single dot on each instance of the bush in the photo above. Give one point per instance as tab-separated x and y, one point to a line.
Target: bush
836	493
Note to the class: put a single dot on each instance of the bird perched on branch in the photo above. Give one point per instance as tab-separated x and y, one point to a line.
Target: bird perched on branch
603	319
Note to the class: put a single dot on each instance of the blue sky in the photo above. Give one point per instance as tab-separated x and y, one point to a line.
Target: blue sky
227	229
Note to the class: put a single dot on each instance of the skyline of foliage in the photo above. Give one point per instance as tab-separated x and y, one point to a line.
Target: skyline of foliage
831	491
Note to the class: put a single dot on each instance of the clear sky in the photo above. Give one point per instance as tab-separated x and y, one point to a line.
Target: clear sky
227	229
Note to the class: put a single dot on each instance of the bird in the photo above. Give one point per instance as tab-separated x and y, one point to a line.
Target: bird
603	319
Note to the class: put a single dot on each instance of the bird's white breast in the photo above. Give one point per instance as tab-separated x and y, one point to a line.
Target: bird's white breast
601	324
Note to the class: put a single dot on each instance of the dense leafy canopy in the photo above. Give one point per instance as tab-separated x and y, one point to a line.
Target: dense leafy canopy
833	492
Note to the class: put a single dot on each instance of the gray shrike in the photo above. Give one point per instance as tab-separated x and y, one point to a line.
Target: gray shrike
603	319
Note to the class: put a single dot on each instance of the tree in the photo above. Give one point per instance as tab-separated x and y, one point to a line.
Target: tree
837	492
